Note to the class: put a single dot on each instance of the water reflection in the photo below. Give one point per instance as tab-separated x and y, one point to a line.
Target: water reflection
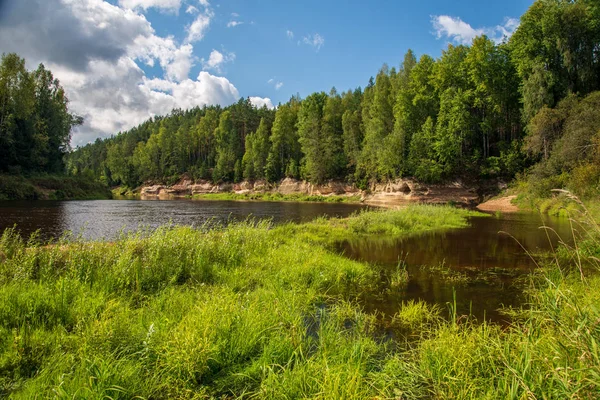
477	265
106	218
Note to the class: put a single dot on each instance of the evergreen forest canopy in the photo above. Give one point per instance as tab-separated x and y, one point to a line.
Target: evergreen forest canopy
35	124
479	111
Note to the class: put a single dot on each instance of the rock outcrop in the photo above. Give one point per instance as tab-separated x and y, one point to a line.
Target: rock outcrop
393	193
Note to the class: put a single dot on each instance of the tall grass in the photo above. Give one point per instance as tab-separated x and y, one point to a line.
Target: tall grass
256	311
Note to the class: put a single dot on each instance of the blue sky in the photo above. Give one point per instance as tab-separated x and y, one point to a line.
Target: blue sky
358	38
123	61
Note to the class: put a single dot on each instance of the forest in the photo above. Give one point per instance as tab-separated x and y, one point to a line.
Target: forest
35	123
524	107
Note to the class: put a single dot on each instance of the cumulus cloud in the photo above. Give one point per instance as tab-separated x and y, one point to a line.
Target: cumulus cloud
216	60
169	5
119	96
96	48
175	60
197	29
260	102
69	32
317	41
192	10
461	32
289	34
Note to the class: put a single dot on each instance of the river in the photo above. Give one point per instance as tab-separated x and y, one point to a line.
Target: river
104	219
480	268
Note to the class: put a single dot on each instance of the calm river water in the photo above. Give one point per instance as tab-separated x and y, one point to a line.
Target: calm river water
478	266
104	219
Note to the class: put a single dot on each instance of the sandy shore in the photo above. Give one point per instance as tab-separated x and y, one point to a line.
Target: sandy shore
503	204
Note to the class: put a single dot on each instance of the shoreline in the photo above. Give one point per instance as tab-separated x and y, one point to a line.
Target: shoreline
502	204
393	194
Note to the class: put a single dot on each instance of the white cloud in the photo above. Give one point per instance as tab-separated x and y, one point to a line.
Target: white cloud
276	84
235	15
509	27
233	24
206	89
260	102
290	34
216	60
461	32
175	60
317	41
168	5
198	28
118	96
94	47
192	10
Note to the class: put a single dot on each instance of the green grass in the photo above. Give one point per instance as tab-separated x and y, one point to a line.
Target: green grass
256	311
51	187
267	196
124	192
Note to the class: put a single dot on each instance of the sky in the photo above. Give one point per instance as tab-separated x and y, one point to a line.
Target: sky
124	61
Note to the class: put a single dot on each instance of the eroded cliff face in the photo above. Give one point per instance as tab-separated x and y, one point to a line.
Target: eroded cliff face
390	194
402	191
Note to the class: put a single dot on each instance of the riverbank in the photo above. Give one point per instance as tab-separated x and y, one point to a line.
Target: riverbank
500	204
51	187
270	196
400	192
271	312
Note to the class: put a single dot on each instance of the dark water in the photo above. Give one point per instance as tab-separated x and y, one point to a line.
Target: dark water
478	265
104	219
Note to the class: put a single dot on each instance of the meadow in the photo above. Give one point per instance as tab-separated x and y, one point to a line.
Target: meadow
253	310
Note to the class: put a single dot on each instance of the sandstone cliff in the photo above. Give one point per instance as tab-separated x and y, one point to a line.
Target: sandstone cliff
393	193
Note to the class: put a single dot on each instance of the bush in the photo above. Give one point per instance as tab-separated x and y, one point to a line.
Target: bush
585	180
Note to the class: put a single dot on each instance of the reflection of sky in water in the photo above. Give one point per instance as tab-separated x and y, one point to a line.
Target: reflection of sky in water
106	218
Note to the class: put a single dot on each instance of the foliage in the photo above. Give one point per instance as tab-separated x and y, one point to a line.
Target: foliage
461	115
35	124
53	187
570	138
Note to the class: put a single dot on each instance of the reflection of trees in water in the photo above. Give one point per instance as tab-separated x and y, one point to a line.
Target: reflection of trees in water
479	246
49	217
490	260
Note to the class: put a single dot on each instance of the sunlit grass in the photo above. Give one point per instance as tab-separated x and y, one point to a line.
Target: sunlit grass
257	311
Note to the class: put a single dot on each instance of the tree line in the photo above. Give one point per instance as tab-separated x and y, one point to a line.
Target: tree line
35	123
478	111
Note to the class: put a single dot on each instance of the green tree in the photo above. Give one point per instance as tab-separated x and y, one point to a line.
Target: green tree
260	148
285	146
378	126
313	143
227	146
332	134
